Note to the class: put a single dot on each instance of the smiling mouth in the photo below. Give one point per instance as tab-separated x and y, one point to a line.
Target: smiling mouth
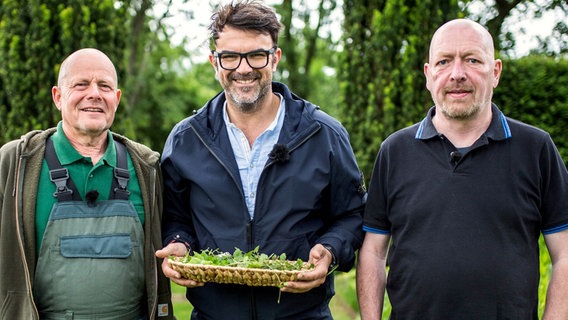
244	81
92	110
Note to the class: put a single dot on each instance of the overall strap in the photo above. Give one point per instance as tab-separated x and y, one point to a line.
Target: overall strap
65	188
119	189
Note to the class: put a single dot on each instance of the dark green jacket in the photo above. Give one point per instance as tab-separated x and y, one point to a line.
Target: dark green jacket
20	166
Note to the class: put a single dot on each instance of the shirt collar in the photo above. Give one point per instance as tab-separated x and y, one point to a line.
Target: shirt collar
498	128
67	153
278	120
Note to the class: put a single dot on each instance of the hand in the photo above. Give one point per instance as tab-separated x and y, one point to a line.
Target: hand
179	250
308	280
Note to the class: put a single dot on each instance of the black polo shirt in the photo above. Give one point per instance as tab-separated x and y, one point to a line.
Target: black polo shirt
465	227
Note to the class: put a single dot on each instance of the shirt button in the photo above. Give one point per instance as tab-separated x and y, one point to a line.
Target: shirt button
251	195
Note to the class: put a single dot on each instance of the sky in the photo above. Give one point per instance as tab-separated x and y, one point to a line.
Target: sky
194	29
527	31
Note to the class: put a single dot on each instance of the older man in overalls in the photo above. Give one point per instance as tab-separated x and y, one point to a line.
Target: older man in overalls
83	220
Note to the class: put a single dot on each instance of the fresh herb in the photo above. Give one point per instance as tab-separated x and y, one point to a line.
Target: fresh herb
251	259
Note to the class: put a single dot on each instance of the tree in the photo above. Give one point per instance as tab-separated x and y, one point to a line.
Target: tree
381	72
34	37
306	42
310	45
497	14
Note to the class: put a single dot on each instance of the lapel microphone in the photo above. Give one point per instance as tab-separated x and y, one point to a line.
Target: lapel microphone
91	196
455	156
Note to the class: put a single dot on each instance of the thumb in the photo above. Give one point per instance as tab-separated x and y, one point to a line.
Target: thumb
175	249
161	253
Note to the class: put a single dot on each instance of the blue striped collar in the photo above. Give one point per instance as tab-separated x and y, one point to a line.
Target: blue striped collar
498	129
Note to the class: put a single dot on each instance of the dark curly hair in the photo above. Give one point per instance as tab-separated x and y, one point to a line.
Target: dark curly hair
246	15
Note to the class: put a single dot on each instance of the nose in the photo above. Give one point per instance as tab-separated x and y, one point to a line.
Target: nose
244	66
94	91
458	72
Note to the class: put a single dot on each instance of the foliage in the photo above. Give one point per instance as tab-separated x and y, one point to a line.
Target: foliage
165	95
498	15
307	66
534	89
35	36
381	71
382	85
160	87
239	259
378	63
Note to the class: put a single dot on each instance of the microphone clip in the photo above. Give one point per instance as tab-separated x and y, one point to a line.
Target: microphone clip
455	156
91	197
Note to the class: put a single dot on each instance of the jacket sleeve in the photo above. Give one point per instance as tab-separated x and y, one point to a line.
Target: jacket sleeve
347	201
177	223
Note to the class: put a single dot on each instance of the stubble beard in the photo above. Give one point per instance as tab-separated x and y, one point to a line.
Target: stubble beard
459	113
249	104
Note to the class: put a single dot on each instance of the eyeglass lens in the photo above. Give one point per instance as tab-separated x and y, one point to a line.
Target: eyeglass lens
257	59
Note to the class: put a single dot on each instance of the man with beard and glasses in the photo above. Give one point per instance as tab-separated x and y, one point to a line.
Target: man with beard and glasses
80	210
258	166
458	201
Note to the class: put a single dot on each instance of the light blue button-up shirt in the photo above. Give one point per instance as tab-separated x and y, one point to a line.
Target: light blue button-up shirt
251	161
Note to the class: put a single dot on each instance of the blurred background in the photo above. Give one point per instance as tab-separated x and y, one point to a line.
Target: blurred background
360	60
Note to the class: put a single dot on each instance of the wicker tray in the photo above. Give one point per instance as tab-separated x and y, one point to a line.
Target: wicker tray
234	275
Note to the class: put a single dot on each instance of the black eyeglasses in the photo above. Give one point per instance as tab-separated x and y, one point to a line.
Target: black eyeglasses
256	59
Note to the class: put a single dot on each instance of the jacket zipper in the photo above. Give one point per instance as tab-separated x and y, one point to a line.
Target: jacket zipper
19	175
154	267
249	227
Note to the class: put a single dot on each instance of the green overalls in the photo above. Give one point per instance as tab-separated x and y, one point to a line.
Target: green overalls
91	262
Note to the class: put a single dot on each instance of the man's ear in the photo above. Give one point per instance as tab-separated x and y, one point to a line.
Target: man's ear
276	59
56	96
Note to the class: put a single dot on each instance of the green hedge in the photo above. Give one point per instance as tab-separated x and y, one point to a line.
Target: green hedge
534	89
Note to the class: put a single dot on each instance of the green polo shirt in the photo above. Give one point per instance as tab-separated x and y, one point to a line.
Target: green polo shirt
86	177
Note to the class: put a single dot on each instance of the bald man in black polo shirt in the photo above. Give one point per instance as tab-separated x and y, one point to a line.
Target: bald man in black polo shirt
462	198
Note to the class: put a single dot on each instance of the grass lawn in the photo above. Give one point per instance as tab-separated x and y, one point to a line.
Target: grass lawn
182	307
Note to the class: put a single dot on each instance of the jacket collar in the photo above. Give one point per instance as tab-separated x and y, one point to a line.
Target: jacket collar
208	121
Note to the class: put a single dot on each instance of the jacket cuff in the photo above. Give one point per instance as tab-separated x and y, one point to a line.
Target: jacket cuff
333	264
178	238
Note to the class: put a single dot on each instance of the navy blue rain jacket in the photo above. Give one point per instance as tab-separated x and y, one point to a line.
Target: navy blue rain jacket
313	194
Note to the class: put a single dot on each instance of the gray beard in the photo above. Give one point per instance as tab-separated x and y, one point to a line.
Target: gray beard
462	114
249	107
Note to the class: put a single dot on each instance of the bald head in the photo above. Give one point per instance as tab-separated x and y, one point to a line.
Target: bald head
463	26
462	72
87	96
85	56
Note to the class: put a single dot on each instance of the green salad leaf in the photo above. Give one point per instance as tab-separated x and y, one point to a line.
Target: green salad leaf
250	259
